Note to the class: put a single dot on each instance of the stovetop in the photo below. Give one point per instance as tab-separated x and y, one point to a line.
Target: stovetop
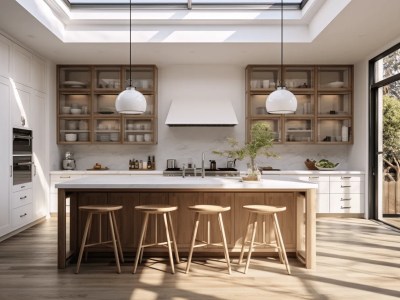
228	172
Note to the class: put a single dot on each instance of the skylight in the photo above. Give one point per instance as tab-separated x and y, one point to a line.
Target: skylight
192	4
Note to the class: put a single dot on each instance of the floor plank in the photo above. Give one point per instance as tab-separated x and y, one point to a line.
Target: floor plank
356	259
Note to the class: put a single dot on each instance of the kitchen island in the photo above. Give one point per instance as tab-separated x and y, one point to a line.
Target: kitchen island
297	222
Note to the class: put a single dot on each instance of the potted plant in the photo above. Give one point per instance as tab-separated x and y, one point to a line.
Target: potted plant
262	139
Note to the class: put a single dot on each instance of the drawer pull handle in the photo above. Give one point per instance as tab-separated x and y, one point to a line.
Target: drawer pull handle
345	199
313	177
345	177
21	216
22	186
65	176
344	207
345	186
22	198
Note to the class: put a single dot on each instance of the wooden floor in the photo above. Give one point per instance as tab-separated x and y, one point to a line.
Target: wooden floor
356	259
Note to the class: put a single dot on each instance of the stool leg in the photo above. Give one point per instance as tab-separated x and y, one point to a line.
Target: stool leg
244	239
226	252
121	254
139	248
87	239
278	242
173	238
283	250
171	258
114	241
85	234
193	241
253	235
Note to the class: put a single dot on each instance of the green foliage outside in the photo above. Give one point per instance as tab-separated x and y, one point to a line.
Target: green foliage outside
391	138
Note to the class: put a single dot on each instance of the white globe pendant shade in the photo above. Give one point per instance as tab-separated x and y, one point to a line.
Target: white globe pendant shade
131	101
281	101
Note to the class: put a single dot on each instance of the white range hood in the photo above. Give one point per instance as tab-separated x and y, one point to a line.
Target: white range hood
203	112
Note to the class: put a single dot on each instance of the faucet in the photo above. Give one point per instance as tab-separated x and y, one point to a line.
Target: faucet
203	170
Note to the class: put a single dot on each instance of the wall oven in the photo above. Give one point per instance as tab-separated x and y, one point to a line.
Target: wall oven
23	165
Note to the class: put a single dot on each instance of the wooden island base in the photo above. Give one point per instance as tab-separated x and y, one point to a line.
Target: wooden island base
297	222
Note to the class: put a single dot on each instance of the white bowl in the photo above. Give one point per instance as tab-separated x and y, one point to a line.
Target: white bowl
335	84
76	111
70	137
66	110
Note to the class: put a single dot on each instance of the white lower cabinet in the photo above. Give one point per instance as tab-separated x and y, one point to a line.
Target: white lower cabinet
347	194
54	179
22	205
337	193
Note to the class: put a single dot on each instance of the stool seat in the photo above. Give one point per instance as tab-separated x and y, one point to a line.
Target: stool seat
154	208
100	208
209	209
264	209
115	240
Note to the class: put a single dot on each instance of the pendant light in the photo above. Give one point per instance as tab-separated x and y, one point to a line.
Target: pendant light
130	101
281	101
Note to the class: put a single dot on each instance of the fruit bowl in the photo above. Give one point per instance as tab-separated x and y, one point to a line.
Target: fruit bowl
326	165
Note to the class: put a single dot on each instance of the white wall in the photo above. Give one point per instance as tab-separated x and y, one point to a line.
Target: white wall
196	82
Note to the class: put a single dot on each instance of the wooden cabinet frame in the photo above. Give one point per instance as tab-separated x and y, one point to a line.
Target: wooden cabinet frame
311	87
95	88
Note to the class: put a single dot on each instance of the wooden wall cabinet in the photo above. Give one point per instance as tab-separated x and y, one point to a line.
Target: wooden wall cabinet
324	102
86	104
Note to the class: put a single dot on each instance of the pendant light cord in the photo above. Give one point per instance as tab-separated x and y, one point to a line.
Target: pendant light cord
282	84
130	43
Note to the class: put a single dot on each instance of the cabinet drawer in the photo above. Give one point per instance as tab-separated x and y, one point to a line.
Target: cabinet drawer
54	179
22	215
21	198
346	203
322	181
347	178
21	187
346	187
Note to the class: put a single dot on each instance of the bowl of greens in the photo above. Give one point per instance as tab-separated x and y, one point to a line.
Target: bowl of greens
326	165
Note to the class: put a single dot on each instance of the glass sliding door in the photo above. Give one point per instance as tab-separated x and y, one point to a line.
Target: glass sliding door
385	137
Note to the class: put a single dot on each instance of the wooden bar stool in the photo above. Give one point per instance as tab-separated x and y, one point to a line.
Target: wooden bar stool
265	211
116	243
165	211
208	210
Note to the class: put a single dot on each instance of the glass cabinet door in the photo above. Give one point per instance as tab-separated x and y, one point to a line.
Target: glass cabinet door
299	130
257	105
75	78
335	131
138	130
334	78
305	105
334	104
263	78
107	79
299	77
74	104
107	130
104	104
142	78
74	130
274	124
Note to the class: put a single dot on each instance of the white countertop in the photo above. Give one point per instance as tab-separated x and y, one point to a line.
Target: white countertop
159	172
165	182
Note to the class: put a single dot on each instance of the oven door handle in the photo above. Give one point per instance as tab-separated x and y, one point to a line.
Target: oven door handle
22	137
28	163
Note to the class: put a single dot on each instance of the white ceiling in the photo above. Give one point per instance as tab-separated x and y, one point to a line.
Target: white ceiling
361	28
